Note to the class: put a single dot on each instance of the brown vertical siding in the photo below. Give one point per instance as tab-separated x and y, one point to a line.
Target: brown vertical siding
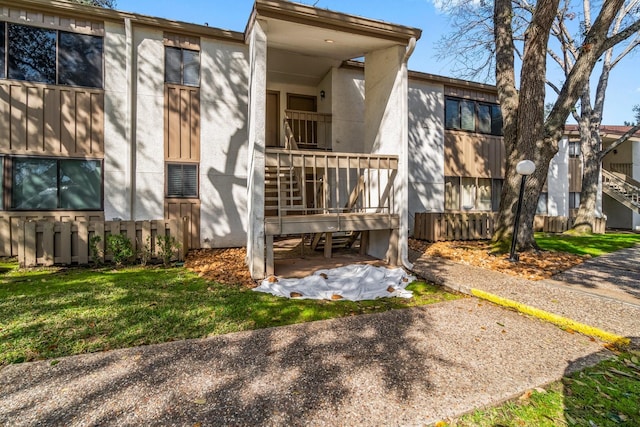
575	175
28	17
182	41
473	155
51	120
182	123
178	209
466	93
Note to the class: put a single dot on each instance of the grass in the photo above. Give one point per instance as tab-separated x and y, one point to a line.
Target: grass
592	244
603	395
49	313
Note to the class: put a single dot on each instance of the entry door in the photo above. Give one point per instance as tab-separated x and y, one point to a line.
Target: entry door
273	119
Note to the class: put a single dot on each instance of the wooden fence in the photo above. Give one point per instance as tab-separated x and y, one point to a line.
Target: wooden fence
54	242
436	227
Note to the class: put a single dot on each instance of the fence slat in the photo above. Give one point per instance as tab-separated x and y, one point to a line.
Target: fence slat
65	243
30	244
47	243
83	242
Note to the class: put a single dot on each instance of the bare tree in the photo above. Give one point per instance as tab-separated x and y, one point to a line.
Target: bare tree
522	29
108	4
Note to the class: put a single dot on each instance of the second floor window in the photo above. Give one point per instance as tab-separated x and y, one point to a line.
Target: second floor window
473	116
50	56
181	66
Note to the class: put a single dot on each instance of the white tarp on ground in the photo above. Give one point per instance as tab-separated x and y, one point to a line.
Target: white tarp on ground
352	282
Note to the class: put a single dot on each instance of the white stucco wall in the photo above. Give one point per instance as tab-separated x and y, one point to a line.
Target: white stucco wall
385	132
558	181
255	150
224	88
426	148
117	147
149	139
347	101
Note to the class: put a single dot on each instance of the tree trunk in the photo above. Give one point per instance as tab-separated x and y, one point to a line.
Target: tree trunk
528	140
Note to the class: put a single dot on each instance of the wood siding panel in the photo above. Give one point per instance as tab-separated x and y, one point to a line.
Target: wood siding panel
476	95
28	17
473	155
51	120
182	41
182	123
575	175
190	208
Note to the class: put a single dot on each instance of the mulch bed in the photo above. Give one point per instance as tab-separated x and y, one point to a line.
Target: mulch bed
227	266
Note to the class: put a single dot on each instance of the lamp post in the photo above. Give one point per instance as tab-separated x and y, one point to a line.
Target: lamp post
524	168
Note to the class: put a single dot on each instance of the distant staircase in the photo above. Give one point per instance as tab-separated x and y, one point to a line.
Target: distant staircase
622	188
281	191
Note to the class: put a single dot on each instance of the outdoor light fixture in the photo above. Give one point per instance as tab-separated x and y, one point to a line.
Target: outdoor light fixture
328	41
524	168
322	94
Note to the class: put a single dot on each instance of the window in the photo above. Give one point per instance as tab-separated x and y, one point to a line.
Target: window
574	149
473	116
79	60
542	204
478	194
181	66
50	56
49	184
182	180
32	54
574	200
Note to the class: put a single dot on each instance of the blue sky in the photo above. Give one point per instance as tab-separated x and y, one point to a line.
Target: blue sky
624	84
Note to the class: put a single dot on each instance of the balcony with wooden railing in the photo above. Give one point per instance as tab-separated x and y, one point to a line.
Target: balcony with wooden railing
311	130
311	192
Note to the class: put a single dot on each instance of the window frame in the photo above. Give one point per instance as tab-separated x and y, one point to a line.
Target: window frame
494	108
4	71
574	148
458	182
8	173
167	179
182	65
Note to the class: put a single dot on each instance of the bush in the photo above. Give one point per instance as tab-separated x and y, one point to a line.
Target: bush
144	253
120	247
168	246
96	253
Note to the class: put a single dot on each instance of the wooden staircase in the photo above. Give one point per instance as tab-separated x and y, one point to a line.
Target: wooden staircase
281	191
622	188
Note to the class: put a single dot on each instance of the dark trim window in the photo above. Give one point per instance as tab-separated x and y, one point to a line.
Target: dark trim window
574	149
471	194
50	56
56	184
574	200
542	204
181	66
473	116
182	180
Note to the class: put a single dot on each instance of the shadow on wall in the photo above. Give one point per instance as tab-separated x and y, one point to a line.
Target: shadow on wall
224	196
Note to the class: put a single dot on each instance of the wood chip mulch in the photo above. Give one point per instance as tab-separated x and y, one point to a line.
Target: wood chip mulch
533	265
225	266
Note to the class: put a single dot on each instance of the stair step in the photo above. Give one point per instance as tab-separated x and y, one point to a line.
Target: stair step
288	198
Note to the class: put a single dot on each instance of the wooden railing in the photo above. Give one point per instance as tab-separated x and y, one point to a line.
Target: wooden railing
310	130
623	168
328	180
55	242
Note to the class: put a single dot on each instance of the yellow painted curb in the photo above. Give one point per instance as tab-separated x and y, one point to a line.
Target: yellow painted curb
561	321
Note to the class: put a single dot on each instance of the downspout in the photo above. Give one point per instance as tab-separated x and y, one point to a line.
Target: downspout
404	227
131	94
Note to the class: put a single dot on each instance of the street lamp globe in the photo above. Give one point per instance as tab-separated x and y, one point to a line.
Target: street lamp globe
525	167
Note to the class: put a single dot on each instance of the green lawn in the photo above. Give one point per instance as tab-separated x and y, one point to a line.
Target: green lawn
50	313
593	244
603	395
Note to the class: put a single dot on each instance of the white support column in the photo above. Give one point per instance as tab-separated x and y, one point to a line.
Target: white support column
558	181
256	131
386	121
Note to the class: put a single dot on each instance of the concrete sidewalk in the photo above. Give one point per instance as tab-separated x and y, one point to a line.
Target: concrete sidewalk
401	367
601	294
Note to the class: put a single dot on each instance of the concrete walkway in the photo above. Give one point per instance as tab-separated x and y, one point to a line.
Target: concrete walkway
402	367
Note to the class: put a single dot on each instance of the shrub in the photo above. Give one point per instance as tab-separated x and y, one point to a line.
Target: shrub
95	252
145	251
120	247
168	246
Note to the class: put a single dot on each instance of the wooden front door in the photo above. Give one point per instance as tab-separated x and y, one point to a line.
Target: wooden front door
272	136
